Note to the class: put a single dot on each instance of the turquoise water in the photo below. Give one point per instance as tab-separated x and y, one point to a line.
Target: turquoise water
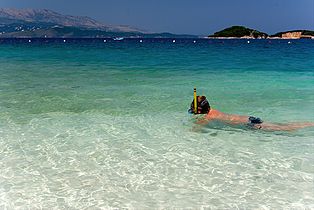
91	125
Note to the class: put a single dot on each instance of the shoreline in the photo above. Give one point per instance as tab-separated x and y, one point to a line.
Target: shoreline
284	38
143	38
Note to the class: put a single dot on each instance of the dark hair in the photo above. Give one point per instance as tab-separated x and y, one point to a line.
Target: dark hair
203	105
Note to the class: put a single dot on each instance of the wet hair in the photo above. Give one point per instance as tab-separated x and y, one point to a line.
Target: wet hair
204	105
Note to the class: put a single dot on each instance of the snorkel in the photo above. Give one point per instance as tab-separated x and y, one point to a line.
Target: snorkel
193	109
195	101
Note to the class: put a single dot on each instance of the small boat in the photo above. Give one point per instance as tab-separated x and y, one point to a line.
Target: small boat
118	38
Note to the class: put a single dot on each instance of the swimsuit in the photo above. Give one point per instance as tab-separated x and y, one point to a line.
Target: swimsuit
255	122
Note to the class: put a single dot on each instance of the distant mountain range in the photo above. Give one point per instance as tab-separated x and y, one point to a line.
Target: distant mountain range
26	23
43	23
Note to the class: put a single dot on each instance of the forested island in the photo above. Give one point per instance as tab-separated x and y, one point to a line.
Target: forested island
247	33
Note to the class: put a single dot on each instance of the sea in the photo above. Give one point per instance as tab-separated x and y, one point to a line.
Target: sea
103	124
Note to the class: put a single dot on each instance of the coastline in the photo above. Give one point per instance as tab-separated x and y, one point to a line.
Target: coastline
285	38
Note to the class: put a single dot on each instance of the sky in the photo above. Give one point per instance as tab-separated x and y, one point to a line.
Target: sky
199	17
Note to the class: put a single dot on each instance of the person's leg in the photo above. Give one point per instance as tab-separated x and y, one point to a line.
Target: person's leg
285	127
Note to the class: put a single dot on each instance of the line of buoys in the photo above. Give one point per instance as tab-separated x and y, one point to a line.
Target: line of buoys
173	41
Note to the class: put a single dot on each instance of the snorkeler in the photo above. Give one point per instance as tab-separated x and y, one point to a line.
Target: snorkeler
250	121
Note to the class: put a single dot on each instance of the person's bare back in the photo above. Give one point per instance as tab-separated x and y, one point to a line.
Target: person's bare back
214	114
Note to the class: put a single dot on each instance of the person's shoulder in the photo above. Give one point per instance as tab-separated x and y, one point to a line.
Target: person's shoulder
214	112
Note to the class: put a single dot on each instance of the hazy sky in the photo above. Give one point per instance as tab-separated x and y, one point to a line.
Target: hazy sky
185	16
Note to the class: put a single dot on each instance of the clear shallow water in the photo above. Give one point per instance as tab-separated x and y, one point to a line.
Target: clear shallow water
87	124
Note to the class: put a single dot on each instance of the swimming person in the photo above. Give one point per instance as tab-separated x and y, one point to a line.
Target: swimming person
250	121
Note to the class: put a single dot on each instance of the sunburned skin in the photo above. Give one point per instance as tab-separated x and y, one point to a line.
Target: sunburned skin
234	119
214	114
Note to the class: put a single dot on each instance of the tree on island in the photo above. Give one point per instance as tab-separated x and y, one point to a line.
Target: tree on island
239	31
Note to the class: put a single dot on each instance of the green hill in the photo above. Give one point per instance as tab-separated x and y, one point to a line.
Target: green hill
239	31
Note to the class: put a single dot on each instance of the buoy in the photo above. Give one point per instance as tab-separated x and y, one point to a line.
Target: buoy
289	42
194	41
173	41
248	42
29	41
64	40
141	41
105	40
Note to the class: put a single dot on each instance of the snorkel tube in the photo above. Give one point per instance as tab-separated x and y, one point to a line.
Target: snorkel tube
195	101
199	104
